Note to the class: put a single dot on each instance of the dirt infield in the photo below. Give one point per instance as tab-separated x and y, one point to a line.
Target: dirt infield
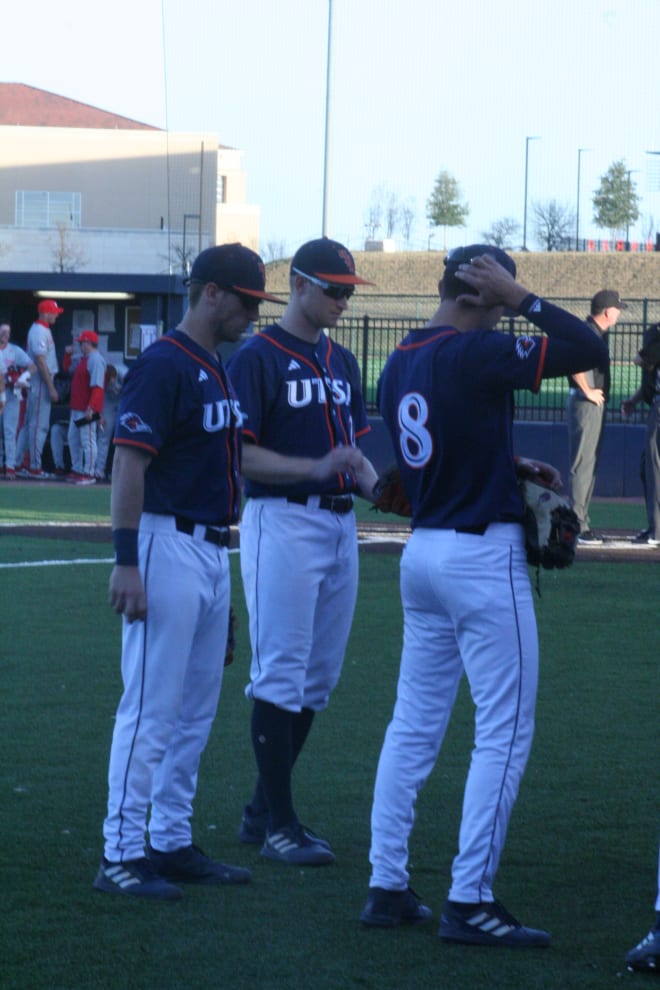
374	537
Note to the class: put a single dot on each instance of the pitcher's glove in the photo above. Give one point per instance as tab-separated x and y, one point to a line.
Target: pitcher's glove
231	637
551	526
389	495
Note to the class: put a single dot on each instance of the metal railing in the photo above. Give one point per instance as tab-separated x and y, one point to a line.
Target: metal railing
372	338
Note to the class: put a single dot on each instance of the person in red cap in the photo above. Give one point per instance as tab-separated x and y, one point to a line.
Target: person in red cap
41	351
86	401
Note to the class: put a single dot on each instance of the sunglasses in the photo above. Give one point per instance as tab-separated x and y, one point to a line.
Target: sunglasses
247	301
331	291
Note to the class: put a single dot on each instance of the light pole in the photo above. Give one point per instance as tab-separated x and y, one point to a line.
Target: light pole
326	144
629	172
527	140
577	211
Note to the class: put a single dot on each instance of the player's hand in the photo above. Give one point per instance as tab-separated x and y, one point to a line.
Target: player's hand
494	284
628	408
338	461
538	471
126	593
52	391
366	478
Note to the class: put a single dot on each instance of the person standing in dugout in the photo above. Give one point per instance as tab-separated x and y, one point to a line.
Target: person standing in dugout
304	413
175	493
41	351
446	395
86	402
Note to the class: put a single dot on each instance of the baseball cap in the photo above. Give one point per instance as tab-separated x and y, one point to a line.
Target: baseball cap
327	260
232	266
88	336
49	306
606	298
464	255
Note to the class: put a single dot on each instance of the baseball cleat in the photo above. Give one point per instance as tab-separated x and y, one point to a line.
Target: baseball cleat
590	538
389	908
191	865
134	878
294	845
254	828
487	923
645	957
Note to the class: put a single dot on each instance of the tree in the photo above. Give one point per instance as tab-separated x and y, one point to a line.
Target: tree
374	215
407	219
273	250
553	223
502	233
67	256
392	213
443	207
615	202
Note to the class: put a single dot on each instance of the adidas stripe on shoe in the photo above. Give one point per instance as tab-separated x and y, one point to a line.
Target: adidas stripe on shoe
487	924
134	878
297	847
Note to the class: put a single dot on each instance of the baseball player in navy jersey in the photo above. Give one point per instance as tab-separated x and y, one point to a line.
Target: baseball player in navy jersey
41	350
175	493
446	395
86	401
304	413
15	371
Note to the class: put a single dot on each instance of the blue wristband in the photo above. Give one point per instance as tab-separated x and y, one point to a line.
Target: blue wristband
126	547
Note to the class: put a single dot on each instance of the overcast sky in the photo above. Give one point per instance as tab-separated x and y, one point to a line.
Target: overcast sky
417	86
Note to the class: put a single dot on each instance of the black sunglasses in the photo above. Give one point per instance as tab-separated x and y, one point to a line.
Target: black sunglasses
332	291
248	302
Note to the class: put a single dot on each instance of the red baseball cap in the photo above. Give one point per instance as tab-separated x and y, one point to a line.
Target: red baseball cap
88	336
49	306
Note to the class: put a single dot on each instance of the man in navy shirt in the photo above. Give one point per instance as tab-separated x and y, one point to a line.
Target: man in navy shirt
175	493
446	395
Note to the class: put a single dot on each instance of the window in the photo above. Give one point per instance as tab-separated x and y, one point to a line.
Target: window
221	193
47	209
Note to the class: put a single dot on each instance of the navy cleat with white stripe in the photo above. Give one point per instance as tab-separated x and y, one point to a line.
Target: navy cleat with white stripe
487	923
135	878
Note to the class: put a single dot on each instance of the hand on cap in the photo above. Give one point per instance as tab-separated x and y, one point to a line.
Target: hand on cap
494	284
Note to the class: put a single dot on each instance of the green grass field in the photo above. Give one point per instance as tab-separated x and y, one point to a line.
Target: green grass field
580	858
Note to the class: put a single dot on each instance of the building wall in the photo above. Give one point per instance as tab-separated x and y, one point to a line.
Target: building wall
143	194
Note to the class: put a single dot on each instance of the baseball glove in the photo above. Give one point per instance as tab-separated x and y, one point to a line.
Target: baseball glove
231	637
389	494
551	526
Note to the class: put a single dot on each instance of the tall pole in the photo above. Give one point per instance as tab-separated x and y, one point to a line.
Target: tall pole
527	140
629	172
326	144
577	211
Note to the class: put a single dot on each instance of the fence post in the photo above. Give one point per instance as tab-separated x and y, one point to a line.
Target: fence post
365	355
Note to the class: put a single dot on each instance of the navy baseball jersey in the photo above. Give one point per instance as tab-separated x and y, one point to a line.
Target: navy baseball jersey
178	405
447	399
301	400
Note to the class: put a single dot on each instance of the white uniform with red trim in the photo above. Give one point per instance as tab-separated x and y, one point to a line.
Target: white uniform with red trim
35	427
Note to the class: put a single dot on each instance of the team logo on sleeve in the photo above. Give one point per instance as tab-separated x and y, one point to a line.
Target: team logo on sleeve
134	423
524	347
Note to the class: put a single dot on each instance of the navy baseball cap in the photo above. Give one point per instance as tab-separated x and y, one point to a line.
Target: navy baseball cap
232	266
464	255
605	299
328	260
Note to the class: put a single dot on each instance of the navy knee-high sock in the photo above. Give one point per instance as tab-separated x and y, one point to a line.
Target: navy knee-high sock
299	724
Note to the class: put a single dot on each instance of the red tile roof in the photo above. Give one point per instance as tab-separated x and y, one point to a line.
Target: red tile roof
28	106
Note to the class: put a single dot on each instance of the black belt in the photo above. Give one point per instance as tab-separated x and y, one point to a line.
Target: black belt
477	530
218	537
333	503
